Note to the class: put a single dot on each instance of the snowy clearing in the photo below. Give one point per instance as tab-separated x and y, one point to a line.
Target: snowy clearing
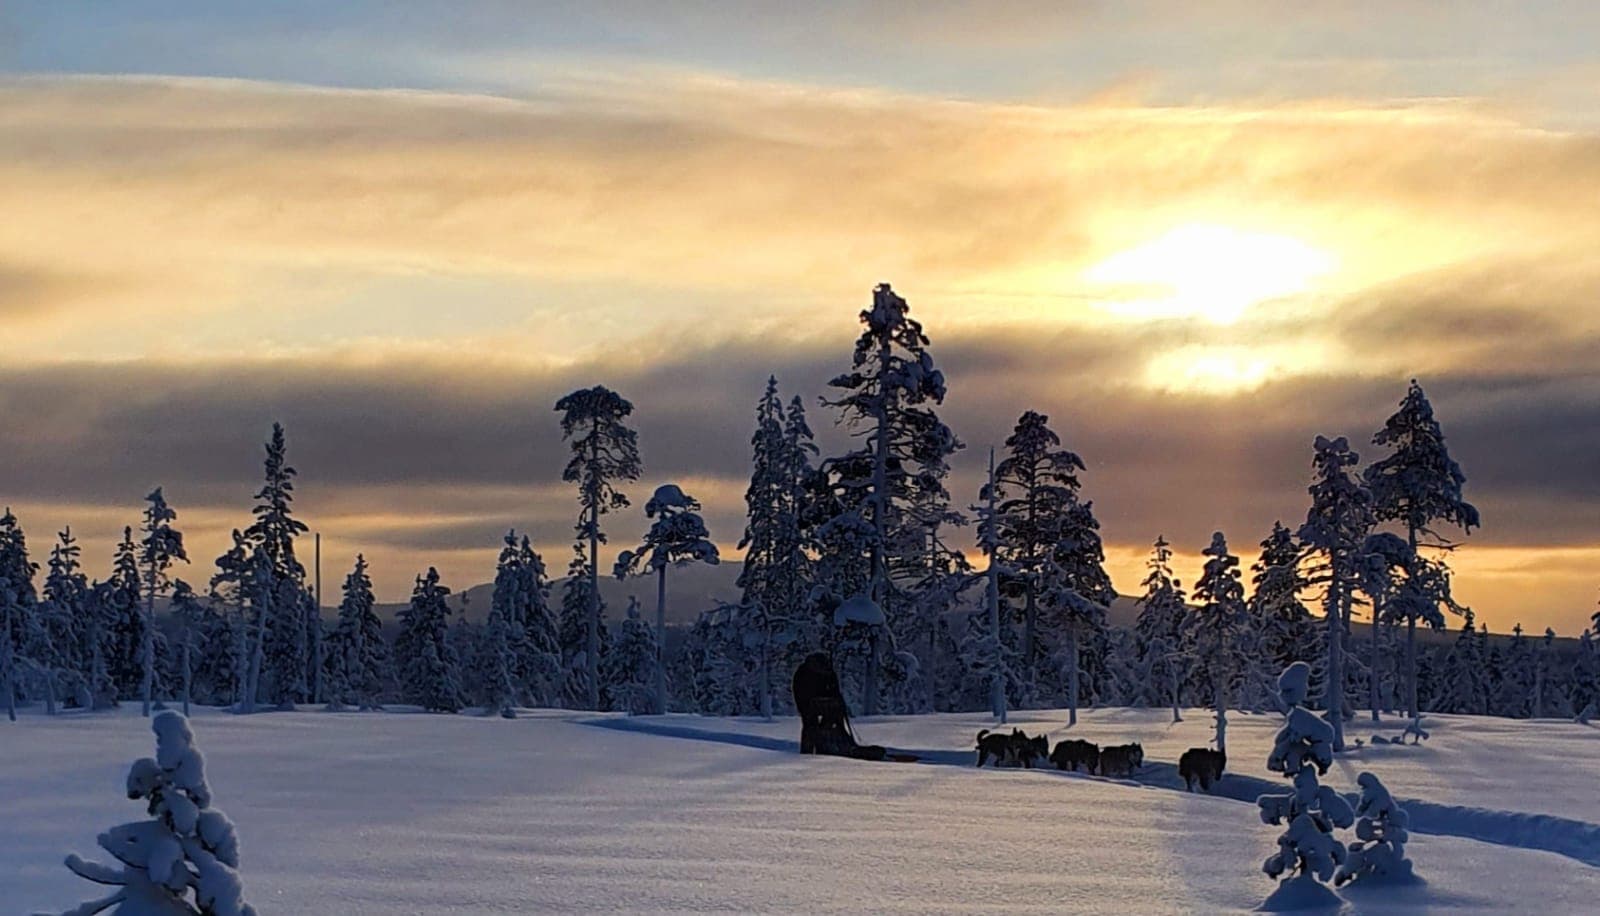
410	813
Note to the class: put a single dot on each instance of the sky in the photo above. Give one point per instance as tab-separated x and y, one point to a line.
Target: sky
1194	235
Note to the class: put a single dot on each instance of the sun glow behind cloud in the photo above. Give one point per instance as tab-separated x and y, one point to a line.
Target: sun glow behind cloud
1203	270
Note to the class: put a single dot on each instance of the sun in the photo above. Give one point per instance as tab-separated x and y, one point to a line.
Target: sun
1204	270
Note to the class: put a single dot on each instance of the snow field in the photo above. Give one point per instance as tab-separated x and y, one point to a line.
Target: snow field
409	813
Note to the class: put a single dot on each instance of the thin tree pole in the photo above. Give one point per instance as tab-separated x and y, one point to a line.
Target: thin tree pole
661	640
1372	665
183	627
997	690
147	644
8	657
766	662
1411	626
316	621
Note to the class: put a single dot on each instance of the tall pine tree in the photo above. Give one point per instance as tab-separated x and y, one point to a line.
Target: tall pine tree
1336	528
605	453
74	630
1419	485
161	546
22	633
280	651
677	537
126	619
775	576
888	492
1218	627
1159	630
1075	593
1037	483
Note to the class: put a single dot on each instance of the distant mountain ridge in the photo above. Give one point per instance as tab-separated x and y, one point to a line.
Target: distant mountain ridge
690	590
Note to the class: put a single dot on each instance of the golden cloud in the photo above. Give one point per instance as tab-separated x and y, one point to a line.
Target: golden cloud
198	196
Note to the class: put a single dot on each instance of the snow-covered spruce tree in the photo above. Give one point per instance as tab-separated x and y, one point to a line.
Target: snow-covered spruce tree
1463	686
1308	853
184	860
286	650
677	537
1037	484
213	660
1336	527
577	599
30	664
605	452
776	574
1513	696
1419	485
125	638
1217	629
426	659
1159	631
357	666
1383	560
522	656
631	677
1075	592
1379	854
73	633
539	670
1544	676
1494	667
162	544
231	587
891	487
984	652
186	612
18	607
1288	632
501	649
1585	690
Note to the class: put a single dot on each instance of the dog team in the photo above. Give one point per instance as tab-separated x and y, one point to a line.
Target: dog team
1197	765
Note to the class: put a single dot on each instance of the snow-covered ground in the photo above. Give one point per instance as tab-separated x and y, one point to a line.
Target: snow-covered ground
408	813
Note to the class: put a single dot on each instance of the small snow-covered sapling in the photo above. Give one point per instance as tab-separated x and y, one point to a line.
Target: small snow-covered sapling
1303	750
186	846
1379	853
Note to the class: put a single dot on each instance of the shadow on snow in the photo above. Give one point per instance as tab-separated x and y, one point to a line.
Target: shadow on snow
1578	840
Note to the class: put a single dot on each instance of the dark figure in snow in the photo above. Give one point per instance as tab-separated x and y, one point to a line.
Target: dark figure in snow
1202	765
824	718
1075	752
1121	760
1015	749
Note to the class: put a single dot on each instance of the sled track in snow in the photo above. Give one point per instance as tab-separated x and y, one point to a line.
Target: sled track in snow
1577	840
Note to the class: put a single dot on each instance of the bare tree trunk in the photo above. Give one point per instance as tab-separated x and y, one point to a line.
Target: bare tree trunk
1411	635
147	649
1333	688
661	641
252	681
8	662
1177	684
1220	693
880	502
1072	676
315	625
997	689
187	673
766	664
1372	665
591	661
